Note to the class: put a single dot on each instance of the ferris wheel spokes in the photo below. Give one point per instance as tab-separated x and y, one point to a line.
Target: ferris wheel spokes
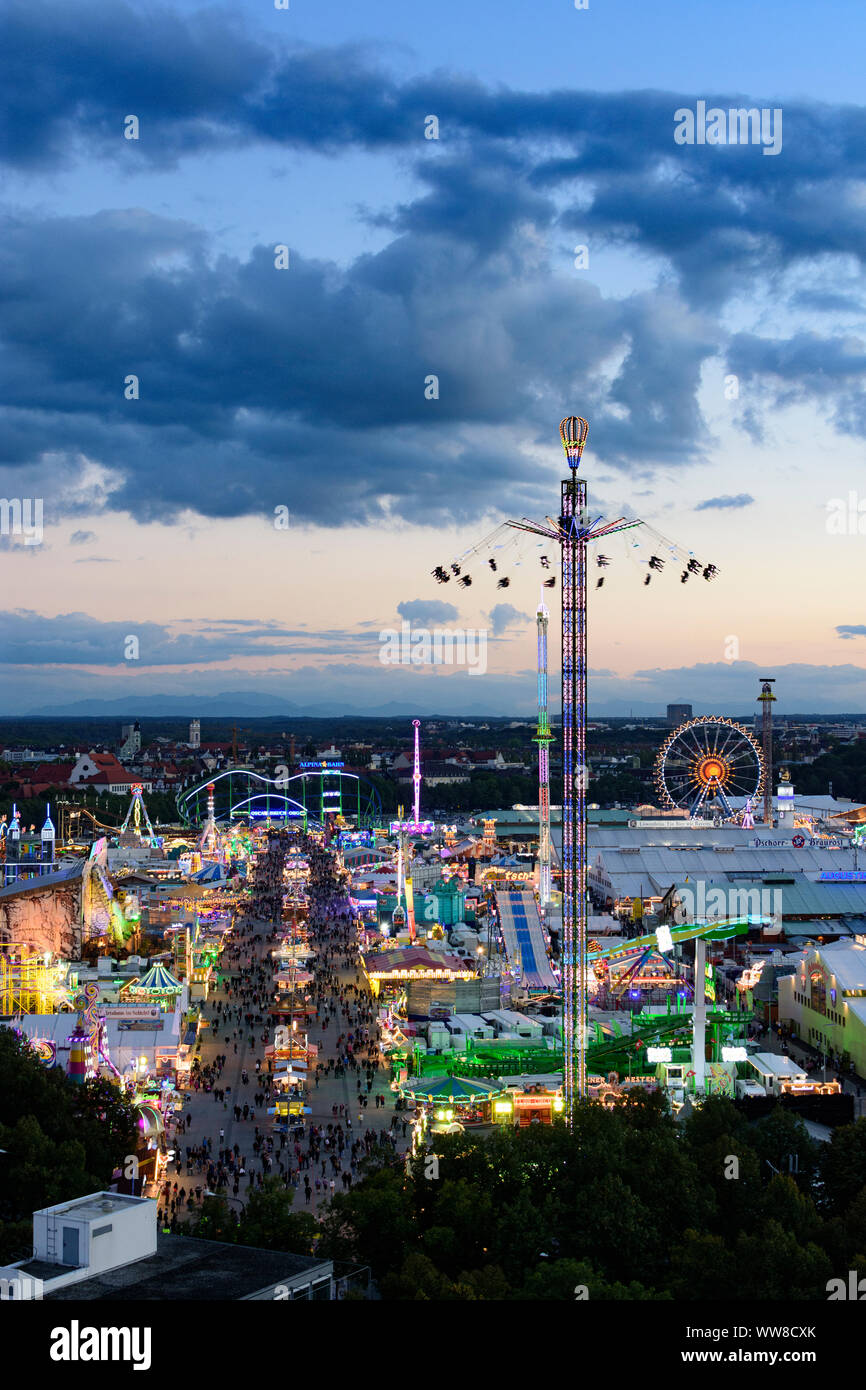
708	762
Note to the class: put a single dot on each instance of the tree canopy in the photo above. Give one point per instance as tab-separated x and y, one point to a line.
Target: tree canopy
61	1139
631	1205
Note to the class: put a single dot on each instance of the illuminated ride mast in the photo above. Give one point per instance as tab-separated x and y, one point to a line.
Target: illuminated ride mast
544	738
416	771
574	531
415	826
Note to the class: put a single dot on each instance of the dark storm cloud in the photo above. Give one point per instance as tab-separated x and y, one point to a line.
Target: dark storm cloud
71	73
480	199
808	361
715	213
807	367
262	388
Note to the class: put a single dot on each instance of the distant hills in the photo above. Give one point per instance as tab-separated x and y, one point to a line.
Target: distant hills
250	704
255	704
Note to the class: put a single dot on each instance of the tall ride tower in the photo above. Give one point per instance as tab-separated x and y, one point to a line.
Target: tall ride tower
543	738
767	697
574	531
416	772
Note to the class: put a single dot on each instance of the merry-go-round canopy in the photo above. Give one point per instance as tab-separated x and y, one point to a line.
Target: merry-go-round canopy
156	980
453	1088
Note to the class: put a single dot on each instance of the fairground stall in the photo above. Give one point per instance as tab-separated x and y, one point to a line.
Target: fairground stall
459	1100
288	1061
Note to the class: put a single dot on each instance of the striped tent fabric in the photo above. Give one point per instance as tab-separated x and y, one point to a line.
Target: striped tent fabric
451	1088
159	981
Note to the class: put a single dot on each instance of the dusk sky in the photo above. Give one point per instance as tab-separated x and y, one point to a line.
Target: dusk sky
715	341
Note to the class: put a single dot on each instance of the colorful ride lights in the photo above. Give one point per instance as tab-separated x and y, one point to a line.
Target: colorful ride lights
506	1107
573	432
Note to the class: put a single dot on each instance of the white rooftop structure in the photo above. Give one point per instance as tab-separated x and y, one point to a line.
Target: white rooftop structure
510	1021
76	1240
773	1064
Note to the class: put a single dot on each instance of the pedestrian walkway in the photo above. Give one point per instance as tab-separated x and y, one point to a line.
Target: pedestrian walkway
330	1146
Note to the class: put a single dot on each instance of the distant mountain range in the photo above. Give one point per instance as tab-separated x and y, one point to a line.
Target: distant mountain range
236	704
254	704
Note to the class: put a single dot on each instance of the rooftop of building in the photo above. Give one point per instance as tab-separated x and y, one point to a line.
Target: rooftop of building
846	960
94	1206
41	883
798	896
194	1270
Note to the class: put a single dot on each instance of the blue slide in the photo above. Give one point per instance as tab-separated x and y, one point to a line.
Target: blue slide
524	938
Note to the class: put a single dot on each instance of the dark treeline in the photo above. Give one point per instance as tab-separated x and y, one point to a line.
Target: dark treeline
58	1139
632	1205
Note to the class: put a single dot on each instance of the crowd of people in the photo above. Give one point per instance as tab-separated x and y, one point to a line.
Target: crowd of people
325	1153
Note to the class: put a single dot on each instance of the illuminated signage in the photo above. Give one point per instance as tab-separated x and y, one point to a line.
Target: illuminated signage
659	1054
325	765
800	841
130	1011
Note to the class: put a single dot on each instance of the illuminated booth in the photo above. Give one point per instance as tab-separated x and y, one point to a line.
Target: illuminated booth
395	968
454	1099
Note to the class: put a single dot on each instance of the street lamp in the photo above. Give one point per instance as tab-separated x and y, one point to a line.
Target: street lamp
208	1193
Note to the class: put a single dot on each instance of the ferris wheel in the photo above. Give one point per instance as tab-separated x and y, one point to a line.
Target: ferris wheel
707	762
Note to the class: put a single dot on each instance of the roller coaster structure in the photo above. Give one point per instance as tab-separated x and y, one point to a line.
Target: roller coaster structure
308	796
